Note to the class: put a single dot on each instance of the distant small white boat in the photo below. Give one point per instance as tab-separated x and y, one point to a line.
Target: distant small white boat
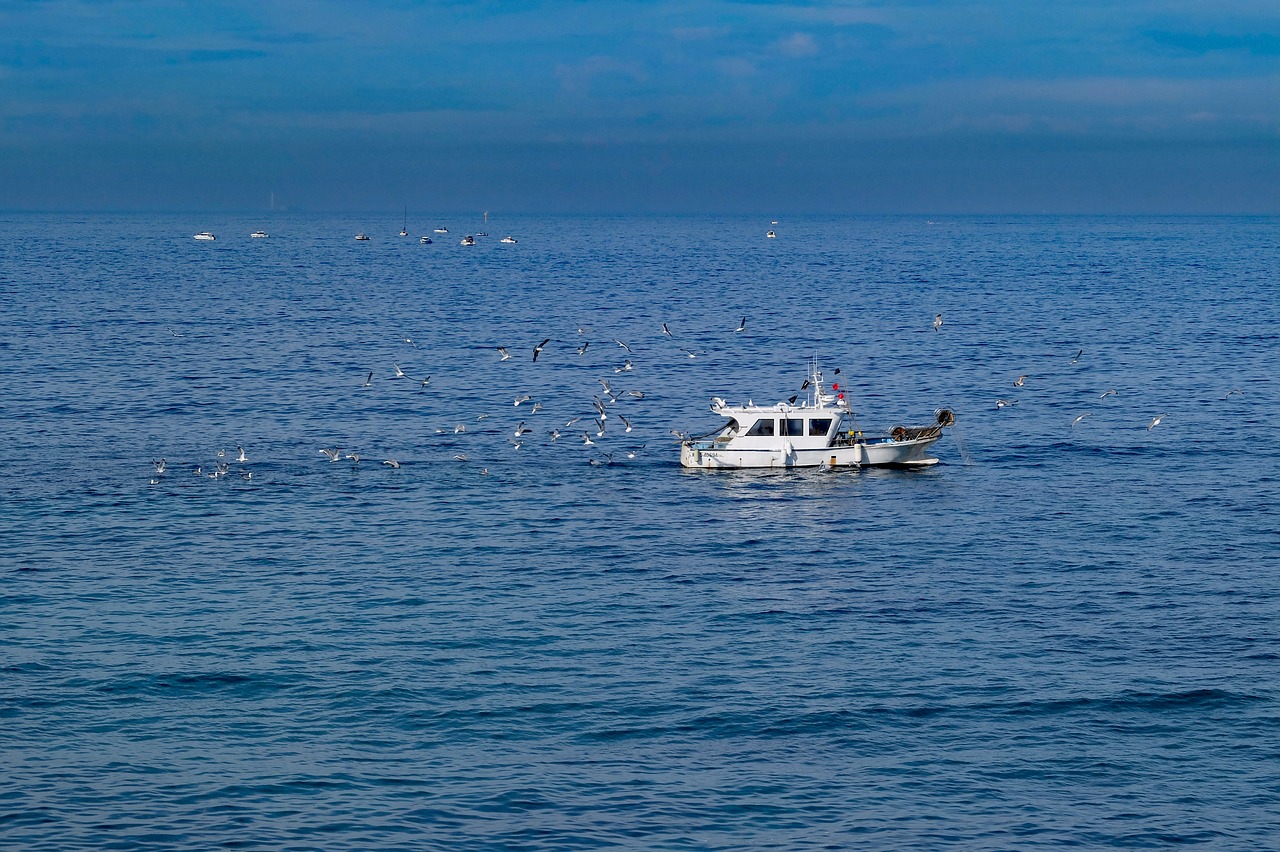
771	235
468	240
482	233
442	230
362	236
404	229
507	240
425	240
205	235
259	235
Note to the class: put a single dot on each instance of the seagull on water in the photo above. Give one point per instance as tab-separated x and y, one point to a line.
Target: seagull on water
502	351
537	350
1233	391
410	341
242	458
522	429
1078	419
1020	381
691	352
586	440
459	428
460	457
555	435
937	322
368	381
625	368
1005	403
392	463
1076	359
1155	421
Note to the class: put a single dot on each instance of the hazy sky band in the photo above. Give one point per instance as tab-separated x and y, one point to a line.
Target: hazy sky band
299	97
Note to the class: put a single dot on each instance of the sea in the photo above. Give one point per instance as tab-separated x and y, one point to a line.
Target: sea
1064	634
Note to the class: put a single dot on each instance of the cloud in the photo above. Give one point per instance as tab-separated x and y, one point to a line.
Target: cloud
580	78
797	46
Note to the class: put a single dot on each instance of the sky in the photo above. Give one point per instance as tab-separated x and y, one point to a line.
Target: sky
639	106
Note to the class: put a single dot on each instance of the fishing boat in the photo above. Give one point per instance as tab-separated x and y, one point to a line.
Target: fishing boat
205	235
510	240
468	240
820	431
425	240
404	229
259	235
362	236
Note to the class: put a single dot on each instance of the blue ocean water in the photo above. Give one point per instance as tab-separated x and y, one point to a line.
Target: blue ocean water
1059	636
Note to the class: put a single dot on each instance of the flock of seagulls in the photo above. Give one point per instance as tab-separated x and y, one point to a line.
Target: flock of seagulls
603	416
219	470
601	421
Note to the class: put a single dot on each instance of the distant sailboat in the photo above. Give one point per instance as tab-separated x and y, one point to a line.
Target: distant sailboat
404	229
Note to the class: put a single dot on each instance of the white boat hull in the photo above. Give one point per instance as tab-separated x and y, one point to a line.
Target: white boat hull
876	452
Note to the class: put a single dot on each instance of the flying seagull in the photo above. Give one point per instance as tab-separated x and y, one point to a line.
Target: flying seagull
537	350
742	326
1107	393
937	322
502	350
1020	381
1076	359
1078	419
666	330
624	346
1155	421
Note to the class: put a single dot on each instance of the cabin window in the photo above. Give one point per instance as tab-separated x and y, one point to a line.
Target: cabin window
820	427
792	426
761	428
